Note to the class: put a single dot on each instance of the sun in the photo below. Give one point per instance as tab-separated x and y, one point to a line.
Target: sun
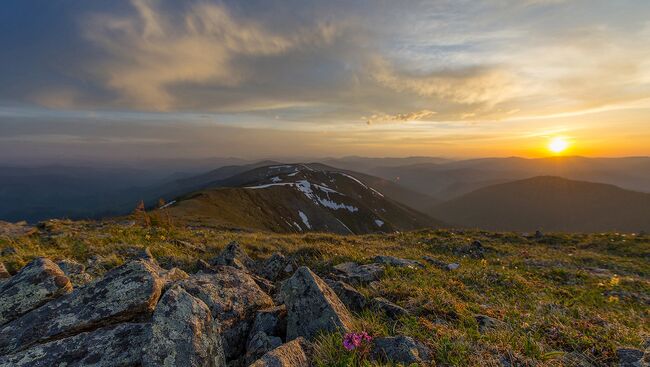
558	145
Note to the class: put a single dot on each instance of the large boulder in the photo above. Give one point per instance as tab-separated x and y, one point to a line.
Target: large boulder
234	255
351	298
399	349
354	273
291	354
75	271
312	306
277	267
125	292
259	344
271	321
183	333
233	298
112	346
37	283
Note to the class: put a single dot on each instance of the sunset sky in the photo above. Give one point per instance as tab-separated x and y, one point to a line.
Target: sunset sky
455	78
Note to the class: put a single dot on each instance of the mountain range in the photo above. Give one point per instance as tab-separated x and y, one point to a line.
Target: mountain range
552	194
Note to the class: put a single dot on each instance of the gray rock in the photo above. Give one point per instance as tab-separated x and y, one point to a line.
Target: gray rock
271	321
475	250
628	357
113	346
487	323
37	283
277	267
125	292
291	354
435	262
75	271
441	264
397	262
452	266
183	333
312	306
233	298
4	274
351	298
259	344
389	308
354	273
234	255
399	349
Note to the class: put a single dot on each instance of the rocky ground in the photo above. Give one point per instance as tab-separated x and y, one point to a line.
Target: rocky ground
117	294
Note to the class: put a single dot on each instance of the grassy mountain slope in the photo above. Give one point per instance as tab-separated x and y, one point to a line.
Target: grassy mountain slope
549	203
295	198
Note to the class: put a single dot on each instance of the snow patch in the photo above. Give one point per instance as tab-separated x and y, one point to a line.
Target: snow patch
276	179
304	218
168	204
379	223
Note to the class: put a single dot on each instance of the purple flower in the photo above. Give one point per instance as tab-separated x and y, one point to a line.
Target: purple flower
355	340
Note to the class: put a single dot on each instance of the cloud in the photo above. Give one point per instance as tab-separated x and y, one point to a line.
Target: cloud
149	52
401	117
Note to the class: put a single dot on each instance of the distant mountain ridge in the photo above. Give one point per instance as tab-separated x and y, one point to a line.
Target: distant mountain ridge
551	204
297	198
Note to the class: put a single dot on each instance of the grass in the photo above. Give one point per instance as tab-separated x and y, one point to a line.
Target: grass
584	293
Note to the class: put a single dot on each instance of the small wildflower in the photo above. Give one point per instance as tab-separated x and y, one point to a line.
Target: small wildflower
147	237
162	238
352	341
612	299
483	262
614	281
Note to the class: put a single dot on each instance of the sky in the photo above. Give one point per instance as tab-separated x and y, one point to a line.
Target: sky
116	80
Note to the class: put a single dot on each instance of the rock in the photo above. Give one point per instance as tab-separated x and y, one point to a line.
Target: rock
71	267
271	321
202	266
75	271
399	349
441	264
397	262
475	250
171	277
291	354
37	283
628	357
183	333
277	267
389	308
259	344
266	285
4	274
487	323
123	294
351	298
233	298
358	274
113	346
235	256
312	306
8	251
13	230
